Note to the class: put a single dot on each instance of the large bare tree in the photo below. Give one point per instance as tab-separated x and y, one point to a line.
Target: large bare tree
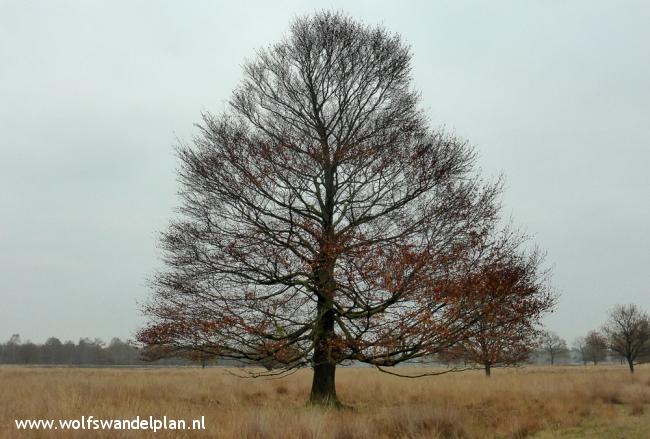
628	332
323	219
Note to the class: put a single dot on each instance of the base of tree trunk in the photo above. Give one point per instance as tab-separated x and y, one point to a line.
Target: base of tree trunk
488	370
328	404
323	387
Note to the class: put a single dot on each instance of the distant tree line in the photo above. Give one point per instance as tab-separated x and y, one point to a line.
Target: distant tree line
85	352
94	352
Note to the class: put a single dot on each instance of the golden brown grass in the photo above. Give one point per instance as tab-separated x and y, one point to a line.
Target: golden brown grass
514	403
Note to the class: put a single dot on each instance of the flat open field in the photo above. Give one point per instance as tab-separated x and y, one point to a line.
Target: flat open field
547	402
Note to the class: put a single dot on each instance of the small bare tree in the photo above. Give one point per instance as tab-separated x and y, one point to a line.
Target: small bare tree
580	346
595	347
504	331
628	332
552	345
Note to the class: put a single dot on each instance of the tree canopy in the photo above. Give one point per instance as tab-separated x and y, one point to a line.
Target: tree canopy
324	220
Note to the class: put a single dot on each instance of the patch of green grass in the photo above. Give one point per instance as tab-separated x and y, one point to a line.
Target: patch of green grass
630	425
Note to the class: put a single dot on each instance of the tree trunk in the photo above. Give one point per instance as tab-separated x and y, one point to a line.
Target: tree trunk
323	387
630	363
488	372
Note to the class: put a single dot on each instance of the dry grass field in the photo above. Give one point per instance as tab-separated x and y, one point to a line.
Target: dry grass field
548	402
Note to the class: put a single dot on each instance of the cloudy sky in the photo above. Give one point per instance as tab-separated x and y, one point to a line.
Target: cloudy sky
93	95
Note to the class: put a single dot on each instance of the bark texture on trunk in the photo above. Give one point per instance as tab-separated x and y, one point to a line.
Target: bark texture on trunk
488	371
630	363
323	389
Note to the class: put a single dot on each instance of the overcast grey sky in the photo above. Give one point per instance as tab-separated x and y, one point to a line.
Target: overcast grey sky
554	94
